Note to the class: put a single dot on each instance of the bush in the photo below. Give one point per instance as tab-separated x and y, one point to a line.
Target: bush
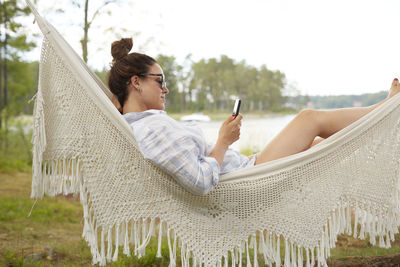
15	149
11	259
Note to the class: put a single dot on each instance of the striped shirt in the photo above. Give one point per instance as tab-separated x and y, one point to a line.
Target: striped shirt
181	150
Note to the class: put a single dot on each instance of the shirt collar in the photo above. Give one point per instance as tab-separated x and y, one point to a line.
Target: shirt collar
135	116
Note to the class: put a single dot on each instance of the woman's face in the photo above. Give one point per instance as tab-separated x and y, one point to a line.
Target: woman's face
153	90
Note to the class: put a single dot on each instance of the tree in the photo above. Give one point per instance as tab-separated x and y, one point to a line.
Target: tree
171	71
87	23
13	42
217	81
272	83
185	77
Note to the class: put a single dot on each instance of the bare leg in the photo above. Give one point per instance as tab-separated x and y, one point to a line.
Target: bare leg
300	134
317	140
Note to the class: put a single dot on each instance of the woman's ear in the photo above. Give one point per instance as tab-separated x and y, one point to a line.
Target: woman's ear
116	103
135	82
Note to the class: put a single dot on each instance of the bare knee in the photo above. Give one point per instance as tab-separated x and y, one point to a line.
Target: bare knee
311	118
307	115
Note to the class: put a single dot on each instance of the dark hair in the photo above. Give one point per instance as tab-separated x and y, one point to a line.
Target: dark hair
124	66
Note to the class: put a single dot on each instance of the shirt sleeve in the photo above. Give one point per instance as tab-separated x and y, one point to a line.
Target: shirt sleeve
180	155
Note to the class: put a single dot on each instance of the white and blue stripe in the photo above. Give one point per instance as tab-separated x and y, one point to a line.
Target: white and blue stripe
181	150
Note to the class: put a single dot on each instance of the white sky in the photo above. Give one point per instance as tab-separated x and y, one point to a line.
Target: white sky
323	47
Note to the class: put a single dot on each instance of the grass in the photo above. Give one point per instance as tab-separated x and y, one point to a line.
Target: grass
348	246
55	224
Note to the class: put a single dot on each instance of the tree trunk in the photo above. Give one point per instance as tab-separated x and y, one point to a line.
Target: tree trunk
183	96
4	104
5	61
85	39
1	63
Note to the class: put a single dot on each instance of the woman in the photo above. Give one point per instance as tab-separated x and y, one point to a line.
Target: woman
139	89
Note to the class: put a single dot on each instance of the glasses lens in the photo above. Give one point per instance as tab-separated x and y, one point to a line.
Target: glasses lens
163	82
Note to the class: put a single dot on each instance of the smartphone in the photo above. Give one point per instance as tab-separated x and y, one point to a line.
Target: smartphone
236	108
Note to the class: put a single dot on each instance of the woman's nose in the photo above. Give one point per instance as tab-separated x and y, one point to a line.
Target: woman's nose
165	90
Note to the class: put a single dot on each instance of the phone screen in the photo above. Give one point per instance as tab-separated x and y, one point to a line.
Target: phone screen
236	107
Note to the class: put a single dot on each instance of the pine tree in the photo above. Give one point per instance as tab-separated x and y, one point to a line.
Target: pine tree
16	78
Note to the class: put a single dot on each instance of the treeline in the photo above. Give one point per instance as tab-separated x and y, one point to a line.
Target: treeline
212	85
334	101
343	101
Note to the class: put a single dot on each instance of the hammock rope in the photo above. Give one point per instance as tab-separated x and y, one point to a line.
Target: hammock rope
82	145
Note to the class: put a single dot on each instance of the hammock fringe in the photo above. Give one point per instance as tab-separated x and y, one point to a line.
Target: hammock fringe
56	177
39	141
64	177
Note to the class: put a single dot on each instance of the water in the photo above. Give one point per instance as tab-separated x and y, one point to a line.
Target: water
255	134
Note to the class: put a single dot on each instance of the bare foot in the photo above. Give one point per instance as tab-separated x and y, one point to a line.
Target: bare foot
395	88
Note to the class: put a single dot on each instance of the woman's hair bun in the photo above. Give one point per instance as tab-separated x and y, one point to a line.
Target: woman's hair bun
121	48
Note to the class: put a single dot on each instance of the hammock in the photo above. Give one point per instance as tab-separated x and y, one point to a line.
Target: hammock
81	144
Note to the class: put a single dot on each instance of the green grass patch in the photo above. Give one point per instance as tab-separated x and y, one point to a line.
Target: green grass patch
247	151
12	259
13	209
339	253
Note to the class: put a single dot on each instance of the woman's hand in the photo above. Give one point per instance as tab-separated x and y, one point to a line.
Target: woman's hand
228	133
230	130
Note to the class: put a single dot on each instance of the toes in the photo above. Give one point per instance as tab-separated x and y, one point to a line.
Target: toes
395	82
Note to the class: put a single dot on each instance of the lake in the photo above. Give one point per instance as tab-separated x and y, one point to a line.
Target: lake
255	133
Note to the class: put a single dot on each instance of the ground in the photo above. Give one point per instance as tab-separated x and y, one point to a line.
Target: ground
51	235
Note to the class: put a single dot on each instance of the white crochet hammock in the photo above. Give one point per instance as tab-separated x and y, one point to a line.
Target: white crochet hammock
81	144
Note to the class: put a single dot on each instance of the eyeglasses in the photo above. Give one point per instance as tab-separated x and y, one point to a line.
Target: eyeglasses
163	83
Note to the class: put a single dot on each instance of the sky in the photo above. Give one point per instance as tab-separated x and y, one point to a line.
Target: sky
323	47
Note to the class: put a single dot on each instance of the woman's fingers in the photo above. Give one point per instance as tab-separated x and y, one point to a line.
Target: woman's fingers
239	116
238	120
236	129
230	129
